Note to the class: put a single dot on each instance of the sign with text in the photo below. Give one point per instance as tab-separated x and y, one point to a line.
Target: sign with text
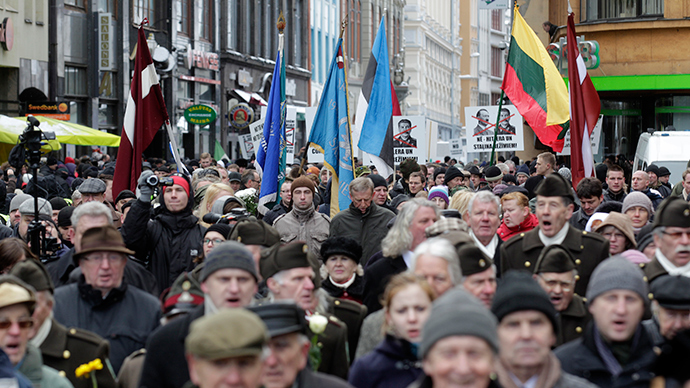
481	127
456	148
105	41
494	4
247	145
595	138
313	156
589	49
256	133
409	138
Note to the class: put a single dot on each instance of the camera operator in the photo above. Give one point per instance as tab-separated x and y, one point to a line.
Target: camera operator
173	238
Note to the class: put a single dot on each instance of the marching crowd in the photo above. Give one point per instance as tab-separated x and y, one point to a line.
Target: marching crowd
443	275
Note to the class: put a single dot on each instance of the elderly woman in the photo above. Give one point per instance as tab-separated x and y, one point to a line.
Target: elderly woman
343	274
638	207
516	216
617	229
394	362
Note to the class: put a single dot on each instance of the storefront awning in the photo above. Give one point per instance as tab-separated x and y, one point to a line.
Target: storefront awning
251	98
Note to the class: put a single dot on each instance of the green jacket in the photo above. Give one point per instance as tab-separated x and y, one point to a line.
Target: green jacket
41	376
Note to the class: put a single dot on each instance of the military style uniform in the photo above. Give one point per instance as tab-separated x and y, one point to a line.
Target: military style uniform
573	321
334	349
652	270
352	314
65	349
588	249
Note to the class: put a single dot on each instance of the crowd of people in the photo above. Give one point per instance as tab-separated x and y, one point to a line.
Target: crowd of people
443	275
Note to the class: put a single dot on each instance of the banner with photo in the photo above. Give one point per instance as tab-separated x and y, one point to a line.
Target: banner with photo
594	138
481	126
410	138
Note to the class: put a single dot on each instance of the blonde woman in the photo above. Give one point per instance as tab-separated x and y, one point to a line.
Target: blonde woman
213	192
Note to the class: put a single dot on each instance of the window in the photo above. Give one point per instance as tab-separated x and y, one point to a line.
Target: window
232	25
144	9
496	19
206	13
484	99
107	115
75	81
109	6
184	10
621	9
75	3
494	98
496	62
354	33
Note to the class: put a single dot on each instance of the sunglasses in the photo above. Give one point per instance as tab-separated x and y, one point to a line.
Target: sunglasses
25	323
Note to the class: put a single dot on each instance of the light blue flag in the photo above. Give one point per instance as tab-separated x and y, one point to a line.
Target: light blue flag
271	155
330	133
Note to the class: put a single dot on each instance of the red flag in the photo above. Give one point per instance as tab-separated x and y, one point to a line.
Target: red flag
396	103
144	116
584	110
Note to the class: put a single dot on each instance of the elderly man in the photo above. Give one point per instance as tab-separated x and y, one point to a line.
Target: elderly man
479	273
227	349
615	180
640	182
15	215
284	206
555	272
554	209
173	238
101	302
229	280
364	221
94	190
290	276
251	180
527	328
672	240
396	254
286	365
380	190
590	193
482	216
671	308
615	351
303	222
27	212
62	349
17	303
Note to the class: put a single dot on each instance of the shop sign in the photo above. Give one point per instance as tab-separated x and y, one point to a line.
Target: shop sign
241	115
55	110
105	42
558	51
200	114
7	34
202	59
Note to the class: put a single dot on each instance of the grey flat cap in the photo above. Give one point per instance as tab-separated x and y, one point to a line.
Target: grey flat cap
44	208
92	186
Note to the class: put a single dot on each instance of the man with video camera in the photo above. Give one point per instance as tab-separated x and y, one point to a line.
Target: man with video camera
173	238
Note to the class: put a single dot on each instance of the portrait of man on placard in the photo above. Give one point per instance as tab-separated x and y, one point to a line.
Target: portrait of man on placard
404	137
505	128
482	117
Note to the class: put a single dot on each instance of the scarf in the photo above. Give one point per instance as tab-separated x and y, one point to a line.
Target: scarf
547	378
556	239
42	332
303	215
670	267
346	284
489	250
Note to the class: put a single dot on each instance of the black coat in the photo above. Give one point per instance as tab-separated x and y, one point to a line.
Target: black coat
165	365
376	277
308	379
581	358
355	291
392	364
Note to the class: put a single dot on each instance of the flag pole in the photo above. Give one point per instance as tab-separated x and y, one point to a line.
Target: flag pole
500	103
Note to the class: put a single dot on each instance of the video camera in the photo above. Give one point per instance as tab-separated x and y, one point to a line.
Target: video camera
236	214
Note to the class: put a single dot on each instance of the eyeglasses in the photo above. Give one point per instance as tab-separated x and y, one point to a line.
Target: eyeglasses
677	235
24	323
551	284
214	241
98	258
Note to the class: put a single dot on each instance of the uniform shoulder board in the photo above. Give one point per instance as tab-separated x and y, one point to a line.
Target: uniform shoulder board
335	321
85	335
137	353
349	306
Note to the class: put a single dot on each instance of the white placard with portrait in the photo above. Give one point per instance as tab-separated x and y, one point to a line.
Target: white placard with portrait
481	126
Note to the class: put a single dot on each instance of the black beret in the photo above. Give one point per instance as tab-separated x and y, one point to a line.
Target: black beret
672	292
473	260
554	258
554	185
673	211
341	246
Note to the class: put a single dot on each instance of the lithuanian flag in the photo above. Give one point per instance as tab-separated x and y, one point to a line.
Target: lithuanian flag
534	85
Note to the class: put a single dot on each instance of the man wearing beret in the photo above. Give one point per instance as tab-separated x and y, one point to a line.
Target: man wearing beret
672	240
101	302
527	328
286	366
303	222
227	349
290	273
671	308
256	236
478	273
615	351
229	281
62	349
554	209
555	272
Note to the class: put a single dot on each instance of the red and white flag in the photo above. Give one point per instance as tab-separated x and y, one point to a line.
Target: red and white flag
144	116
584	110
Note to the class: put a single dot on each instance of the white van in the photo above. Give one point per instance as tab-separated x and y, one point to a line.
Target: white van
669	149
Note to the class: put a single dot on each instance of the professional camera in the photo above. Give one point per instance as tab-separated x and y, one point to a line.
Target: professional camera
154	181
236	214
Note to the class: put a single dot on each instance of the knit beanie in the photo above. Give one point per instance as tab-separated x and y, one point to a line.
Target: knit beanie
451	173
439	191
378	180
523	170
438	171
457	312
223	229
645	237
302	181
637	198
617	273
229	254
178	180
518	291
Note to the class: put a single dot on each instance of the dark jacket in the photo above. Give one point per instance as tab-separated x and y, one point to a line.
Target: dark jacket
165	364
579	219
589	249
653	196
610	196
64	350
352	314
308	379
392	364
168	243
276	212
425	381
653	270
573	321
368	228
376	276
126	316
400	187
581	358
354	292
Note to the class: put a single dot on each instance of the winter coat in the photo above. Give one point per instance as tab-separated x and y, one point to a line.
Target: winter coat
125	317
168	243
376	277
354	292
610	196
304	225
573	321
392	364
425	381
505	232
367	228
309	379
276	212
579	219
40	375
372	334
582	358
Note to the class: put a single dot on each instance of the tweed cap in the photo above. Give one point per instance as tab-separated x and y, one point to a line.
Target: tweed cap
229	254
44	208
445	225
92	186
282	318
254	232
674	211
617	273
18	200
33	273
229	333
554	258
672	292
